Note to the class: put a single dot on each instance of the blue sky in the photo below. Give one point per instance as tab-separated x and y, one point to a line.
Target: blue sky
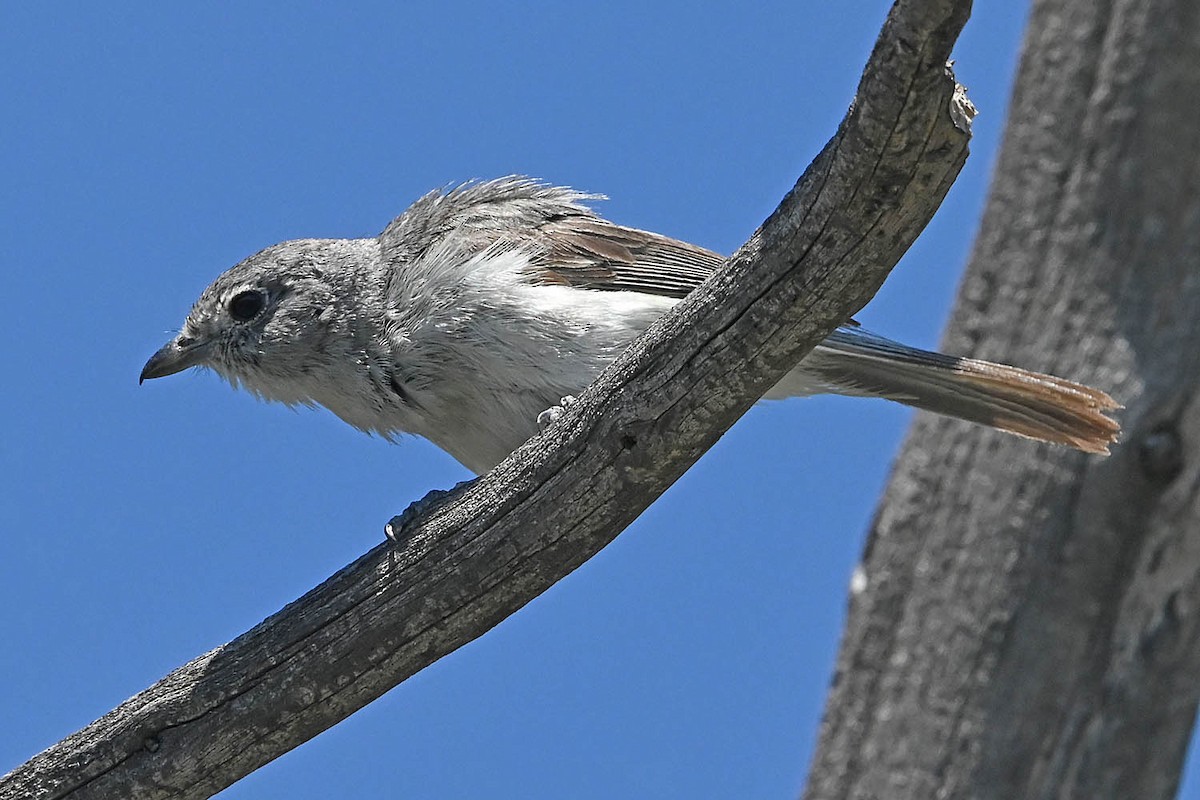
150	146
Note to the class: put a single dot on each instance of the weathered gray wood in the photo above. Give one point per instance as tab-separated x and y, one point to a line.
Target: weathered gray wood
493	547
1027	623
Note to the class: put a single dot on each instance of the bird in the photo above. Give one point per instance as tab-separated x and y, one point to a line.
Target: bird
484	304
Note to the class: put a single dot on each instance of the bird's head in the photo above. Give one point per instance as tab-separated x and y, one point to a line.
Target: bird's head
269	321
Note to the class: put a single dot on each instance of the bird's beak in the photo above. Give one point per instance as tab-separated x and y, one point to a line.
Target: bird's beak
175	356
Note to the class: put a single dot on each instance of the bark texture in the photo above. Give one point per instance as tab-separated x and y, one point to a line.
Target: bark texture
1026	621
485	551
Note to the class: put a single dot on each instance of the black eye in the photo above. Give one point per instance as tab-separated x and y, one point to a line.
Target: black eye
245	306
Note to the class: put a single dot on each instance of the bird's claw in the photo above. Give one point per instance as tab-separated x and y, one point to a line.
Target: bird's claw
554	413
396	529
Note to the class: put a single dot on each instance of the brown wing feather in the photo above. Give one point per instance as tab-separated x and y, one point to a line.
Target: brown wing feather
591	253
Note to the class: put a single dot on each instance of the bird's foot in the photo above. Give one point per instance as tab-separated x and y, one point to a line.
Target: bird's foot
397	528
553	413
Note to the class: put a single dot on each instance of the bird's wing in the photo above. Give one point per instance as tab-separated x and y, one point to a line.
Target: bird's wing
568	243
590	252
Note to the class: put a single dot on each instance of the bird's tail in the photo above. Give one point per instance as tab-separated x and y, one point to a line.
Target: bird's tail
856	362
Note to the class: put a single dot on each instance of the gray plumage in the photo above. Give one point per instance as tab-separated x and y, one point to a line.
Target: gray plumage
478	308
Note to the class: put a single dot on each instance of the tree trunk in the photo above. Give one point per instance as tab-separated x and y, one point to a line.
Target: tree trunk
1025	620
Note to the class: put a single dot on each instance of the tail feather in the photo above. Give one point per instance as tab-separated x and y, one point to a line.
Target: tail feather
853	361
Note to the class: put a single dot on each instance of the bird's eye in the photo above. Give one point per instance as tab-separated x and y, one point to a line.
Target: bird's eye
245	306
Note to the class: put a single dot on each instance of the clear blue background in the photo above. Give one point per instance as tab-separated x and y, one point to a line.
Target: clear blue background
149	146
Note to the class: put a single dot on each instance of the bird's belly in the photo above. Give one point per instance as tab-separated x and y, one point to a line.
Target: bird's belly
481	434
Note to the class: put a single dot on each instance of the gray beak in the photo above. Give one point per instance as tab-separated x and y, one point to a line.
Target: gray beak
175	356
